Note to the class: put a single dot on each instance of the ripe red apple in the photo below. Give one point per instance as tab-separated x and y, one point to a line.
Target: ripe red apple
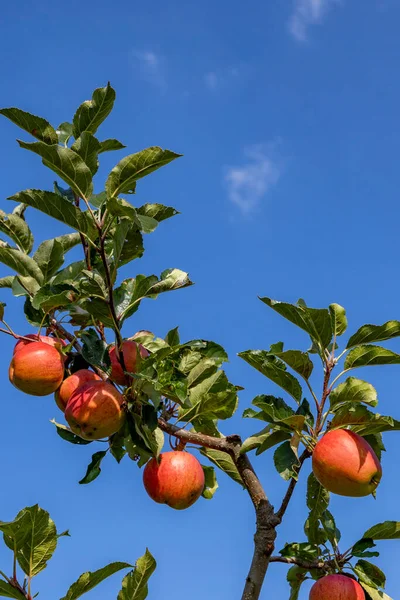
52	341
345	464
37	369
95	411
175	479
71	383
130	351
336	587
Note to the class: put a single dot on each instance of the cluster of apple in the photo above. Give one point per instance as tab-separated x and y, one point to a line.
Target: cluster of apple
94	409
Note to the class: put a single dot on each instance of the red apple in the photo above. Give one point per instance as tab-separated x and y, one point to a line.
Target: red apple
345	464
130	352
37	369
95	410
336	587
71	383
56	342
175	479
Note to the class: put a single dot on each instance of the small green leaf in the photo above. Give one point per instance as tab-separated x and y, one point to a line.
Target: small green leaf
370	574
362	421
17	229
304	551
110	145
95	351
374	333
66	434
277	411
159	212
9	591
224	462
388	530
360	549
298	361
87	146
49	257
353	390
7	282
211	484
64	132
134	585
367	356
274	369
66	163
88	581
172	337
295	576
328	524
123	177
338	319
91	113
36	126
286	462
93	470
317	496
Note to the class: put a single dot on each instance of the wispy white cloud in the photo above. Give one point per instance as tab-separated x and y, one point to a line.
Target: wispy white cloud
248	184
307	13
219	78
151	67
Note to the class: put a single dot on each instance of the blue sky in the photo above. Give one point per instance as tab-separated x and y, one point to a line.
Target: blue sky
287	114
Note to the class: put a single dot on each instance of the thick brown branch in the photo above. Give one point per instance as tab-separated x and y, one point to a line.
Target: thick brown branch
285	502
300	563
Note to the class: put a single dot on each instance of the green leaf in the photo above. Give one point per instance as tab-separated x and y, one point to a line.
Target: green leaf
53	205
49	297
141	287
95	351
123	177
21	263
24	286
36	126
70	274
212	398
49	257
87	146
132	245
93	470
374	594
269	366
316	322
134	585
91	113
7	282
304	551
92	284
338	319
33	316
277	411
66	163
119	240
370	574
17	229
353	390
376	443
147	224
362	421
317	496
110	144
33	536
64	132
211	484
121	208
267	435
9	591
172	337
88	581
98	199
159	212
368	356
295	576
360	548
298	361
388	530
66	434
286	462
374	333
68	240
224	462
329	526
65	193
2	306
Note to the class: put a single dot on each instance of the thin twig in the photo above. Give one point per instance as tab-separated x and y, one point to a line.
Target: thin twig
299	562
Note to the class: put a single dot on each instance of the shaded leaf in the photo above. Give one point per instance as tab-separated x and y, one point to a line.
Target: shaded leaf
66	434
360	548
388	530
159	212
87	146
224	462
93	470
370	574
374	594
295	576
298	361
374	333
353	390
286	462
110	144
17	229
9	591
211	484
274	370
366	356
21	263
172	337
95	351
64	132
49	257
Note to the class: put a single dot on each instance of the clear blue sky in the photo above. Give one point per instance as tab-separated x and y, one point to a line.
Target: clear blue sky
287	114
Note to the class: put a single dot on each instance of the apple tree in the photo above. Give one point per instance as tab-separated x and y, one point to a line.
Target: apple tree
138	390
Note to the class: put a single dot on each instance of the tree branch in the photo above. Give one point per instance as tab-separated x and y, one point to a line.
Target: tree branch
300	563
285	502
266	521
